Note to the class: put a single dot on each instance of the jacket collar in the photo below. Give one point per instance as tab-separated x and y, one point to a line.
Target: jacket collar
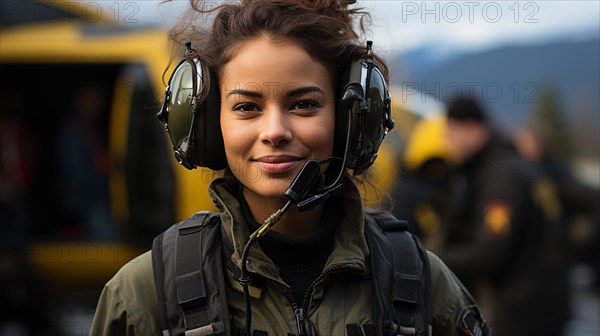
349	248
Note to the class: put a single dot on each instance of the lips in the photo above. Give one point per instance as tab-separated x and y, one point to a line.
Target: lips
277	164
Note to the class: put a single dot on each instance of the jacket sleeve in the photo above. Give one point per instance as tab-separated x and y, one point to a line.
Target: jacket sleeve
128	304
110	317
454	311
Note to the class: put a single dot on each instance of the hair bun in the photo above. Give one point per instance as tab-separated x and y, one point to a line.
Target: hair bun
338	9
328	6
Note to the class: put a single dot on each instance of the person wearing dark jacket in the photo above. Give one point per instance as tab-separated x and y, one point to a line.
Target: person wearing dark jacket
502	238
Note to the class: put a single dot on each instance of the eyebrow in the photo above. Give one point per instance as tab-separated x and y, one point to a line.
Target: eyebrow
305	89
248	93
295	92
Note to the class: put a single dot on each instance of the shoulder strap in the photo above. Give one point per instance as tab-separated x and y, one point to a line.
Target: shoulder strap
401	276
188	273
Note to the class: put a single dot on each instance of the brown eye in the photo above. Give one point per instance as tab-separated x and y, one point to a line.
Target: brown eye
305	105
246	108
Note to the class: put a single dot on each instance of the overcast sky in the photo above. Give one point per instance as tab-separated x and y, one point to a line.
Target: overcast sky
447	25
481	24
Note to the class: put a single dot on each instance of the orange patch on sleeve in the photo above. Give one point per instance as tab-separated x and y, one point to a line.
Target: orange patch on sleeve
497	219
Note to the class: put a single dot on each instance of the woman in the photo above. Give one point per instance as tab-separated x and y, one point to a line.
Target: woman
295	258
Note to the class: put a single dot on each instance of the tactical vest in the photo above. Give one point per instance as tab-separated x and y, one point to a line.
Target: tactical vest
189	276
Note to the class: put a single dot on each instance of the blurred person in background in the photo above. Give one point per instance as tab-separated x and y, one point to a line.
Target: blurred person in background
83	164
580	223
421	193
502	238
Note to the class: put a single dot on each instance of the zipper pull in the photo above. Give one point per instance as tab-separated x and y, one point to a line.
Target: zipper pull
300	320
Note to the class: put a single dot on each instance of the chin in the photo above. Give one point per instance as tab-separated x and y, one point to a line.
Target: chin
270	189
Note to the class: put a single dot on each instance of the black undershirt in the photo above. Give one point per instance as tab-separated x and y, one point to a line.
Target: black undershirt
300	259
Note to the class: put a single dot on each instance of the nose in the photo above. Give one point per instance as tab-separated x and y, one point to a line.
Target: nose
276	128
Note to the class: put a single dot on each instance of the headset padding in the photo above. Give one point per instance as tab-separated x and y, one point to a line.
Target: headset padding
209	138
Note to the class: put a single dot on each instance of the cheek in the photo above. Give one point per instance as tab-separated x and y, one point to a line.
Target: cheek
320	133
235	138
456	134
451	135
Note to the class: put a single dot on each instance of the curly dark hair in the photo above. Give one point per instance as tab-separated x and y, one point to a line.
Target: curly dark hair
324	28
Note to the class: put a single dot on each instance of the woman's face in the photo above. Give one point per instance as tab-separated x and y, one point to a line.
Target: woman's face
277	112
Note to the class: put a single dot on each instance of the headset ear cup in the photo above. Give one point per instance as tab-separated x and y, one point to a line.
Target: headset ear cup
208	137
352	102
351	92
368	112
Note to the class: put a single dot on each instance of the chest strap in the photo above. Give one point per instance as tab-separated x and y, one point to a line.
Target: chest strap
401	267
189	277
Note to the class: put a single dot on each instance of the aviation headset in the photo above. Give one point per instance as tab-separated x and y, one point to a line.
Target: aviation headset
363	115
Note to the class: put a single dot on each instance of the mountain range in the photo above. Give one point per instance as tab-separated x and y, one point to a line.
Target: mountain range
510	80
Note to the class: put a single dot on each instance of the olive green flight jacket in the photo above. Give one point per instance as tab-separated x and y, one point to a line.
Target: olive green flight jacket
342	296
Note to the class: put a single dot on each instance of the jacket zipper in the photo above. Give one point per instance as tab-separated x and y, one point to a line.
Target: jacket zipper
300	320
300	312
